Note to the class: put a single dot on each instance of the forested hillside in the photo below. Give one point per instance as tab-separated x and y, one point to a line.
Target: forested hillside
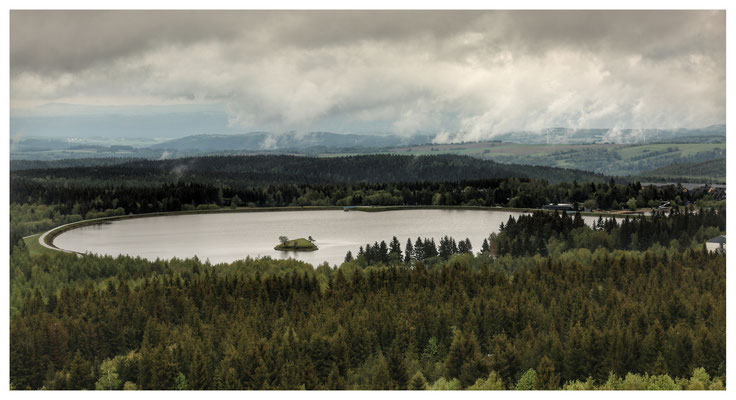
577	319
267	169
713	170
617	159
16	165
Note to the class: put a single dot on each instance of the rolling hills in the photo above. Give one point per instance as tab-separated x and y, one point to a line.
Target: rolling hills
713	171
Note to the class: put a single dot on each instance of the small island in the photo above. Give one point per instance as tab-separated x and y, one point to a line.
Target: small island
300	244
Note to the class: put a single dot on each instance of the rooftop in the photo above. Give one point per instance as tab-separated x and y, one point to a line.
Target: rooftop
718	239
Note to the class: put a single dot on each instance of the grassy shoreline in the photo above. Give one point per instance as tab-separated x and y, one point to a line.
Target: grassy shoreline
34	246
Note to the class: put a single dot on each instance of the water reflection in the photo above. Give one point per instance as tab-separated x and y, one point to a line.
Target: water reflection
231	236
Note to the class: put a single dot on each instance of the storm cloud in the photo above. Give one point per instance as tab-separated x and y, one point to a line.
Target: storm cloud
466	75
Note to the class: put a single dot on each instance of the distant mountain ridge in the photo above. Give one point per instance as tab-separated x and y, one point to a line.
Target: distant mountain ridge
263	141
612	135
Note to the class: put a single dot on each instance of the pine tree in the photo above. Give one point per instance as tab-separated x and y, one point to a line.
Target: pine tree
161	369
419	250
418	382
468	245
199	376
492	382
409	251
382	378
547	379
335	380
383	252
462	247
504	358
575	357
395	250
81	374
464	360
485	248
396	365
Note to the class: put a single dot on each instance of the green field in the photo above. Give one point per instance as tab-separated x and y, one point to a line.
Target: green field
684	150
34	247
605	158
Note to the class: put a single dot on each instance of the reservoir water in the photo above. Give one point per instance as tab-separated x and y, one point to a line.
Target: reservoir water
232	236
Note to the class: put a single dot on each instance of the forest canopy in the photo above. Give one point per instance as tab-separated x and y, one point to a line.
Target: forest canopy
548	302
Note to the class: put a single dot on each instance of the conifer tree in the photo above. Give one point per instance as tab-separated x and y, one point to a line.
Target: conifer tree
335	380
547	378
418	382
408	251
199	378
395	250
396	365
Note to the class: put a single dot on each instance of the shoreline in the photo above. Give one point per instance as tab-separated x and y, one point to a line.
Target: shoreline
46	239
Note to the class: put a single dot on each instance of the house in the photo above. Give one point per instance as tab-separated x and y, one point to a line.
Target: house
718	243
559	207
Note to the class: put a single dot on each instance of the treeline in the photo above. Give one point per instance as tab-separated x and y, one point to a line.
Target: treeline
85	198
131	323
709	171
152	186
26	219
550	233
421	250
259	170
16	165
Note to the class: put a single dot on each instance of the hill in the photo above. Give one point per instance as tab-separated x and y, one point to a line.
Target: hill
262	141
619	136
285	169
713	171
607	159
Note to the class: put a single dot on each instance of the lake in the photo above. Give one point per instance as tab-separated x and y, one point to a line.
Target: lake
231	236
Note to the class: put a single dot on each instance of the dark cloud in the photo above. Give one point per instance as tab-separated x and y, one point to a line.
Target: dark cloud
67	40
473	72
60	41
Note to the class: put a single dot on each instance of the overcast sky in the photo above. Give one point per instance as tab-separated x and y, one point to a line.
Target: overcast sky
468	75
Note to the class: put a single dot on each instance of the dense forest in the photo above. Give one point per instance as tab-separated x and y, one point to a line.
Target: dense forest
578	319
266	169
549	302
544	233
105	323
